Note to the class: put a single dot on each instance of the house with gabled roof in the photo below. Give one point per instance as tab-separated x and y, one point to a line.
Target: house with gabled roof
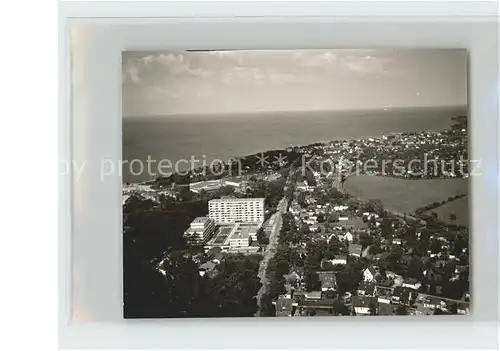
345	237
369	274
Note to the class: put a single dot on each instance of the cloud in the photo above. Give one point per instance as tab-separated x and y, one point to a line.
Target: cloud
329	57
152	68
131	74
366	64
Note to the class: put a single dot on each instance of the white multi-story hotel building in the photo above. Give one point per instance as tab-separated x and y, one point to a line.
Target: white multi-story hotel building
202	228
236	210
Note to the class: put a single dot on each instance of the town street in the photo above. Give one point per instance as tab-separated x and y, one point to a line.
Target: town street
270	249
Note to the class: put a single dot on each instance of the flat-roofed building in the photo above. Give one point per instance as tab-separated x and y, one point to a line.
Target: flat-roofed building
201	229
240	239
236	210
208	185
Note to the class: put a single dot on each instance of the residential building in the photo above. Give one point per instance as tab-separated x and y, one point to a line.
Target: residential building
390	274
345	236
369	274
328	281
340	259
313	295
355	250
200	229
354	223
366	289
236	210
384	300
411	283
207	268
362	304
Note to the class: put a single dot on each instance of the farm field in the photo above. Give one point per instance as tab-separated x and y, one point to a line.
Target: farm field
459	208
405	195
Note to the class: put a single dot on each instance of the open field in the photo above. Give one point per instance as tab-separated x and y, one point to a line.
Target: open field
459	207
405	195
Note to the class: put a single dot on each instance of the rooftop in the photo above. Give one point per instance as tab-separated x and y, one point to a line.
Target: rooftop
246	199
363	301
313	295
355	248
200	220
208	266
327	279
410	281
241	233
353	222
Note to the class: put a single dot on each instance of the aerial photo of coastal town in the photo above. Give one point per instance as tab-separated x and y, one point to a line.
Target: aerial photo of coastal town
297	183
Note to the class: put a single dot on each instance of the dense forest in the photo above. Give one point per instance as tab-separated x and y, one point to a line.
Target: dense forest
152	239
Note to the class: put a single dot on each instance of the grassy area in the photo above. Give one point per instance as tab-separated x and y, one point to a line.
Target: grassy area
405	195
459	207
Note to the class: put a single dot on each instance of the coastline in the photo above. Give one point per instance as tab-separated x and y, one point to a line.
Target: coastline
303	146
180	139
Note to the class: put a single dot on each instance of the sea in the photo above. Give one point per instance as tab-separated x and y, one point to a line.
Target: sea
209	137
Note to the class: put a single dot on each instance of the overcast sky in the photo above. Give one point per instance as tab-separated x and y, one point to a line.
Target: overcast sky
249	81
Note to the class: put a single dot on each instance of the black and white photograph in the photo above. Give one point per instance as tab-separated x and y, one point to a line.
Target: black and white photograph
295	183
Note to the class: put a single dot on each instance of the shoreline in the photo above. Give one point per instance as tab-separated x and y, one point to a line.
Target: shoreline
303	146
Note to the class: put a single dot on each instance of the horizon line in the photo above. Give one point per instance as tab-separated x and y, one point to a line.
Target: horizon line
381	109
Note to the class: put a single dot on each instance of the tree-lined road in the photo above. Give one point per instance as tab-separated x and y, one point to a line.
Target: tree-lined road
270	249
